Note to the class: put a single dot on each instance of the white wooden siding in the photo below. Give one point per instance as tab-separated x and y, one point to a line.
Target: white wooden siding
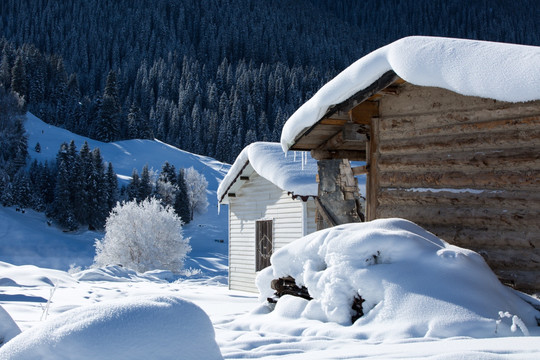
260	199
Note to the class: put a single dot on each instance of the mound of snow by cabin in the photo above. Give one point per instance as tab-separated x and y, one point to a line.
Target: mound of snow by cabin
292	173
413	283
156	327
505	72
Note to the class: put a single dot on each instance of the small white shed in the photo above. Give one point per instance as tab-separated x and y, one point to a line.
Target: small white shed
271	200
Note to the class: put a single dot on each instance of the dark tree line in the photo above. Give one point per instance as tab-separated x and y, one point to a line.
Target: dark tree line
171	187
212	76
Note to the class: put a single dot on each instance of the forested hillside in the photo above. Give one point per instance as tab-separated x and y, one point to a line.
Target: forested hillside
212	76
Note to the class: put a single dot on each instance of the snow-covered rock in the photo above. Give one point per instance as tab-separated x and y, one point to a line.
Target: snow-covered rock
413	283
150	327
505	72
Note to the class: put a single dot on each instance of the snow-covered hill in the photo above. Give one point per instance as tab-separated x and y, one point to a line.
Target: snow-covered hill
27	239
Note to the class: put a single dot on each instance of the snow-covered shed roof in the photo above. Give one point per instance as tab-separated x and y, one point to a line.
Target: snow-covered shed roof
296	175
505	72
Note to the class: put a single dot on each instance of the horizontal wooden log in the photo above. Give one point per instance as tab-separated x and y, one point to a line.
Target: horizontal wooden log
360	170
507	139
504	259
479	238
428	216
488	180
417	100
525	200
439	124
353	155
351	137
526	281
364	112
526	158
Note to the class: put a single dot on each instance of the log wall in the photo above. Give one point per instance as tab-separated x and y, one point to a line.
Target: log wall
465	168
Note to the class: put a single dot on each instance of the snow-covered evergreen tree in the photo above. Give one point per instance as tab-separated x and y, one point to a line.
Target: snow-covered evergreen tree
143	236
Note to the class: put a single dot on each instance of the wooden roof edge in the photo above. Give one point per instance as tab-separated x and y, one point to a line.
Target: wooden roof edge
233	182
386	79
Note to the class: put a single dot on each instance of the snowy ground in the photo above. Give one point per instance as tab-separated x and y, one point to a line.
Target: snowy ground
242	329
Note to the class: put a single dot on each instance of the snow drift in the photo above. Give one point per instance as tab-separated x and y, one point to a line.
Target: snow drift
413	283
155	327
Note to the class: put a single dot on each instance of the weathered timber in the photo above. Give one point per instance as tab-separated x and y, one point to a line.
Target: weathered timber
352	155
360	170
414	100
525	280
287	286
384	81
351	137
451	123
507	259
488	180
338	193
488	237
501	140
522	158
372	162
363	112
427	216
463	197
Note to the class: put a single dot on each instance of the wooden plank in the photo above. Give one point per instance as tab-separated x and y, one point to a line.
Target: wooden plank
488	180
364	112
360	170
502	140
372	181
524	280
384	81
521	158
351	137
462	197
428	216
437	124
476	237
352	155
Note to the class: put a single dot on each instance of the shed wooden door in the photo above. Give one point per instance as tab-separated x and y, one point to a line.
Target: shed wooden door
263	238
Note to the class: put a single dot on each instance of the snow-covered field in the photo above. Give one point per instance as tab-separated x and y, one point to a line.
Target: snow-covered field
115	313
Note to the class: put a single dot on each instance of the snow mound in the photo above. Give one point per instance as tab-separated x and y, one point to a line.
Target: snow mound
115	273
8	327
158	327
289	173
505	72
413	283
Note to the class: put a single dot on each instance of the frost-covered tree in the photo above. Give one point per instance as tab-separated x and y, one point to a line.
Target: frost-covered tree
143	236
196	185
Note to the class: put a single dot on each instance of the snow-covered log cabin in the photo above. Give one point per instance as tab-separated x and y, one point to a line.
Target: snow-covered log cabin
271	203
450	132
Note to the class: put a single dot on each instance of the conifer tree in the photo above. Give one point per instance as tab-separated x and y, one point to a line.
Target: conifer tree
18	78
145	186
181	201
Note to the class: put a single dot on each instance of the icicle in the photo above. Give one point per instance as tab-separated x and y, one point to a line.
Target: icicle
294	158
218	208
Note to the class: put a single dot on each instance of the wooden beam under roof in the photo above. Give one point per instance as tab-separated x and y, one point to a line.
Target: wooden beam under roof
357	109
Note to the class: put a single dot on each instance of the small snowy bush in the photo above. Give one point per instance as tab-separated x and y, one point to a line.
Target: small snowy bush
143	236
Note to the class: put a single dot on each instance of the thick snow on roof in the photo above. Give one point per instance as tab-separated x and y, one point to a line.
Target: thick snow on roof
292	173
413	283
505	72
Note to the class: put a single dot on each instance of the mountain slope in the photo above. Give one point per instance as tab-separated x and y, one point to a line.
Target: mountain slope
27	239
